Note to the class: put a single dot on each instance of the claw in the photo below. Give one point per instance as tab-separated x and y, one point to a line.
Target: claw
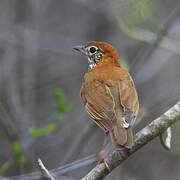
106	164
103	153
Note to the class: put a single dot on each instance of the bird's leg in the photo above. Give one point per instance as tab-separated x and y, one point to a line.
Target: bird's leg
103	152
105	141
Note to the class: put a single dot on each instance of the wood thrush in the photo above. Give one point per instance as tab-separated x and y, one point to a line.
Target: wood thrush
108	93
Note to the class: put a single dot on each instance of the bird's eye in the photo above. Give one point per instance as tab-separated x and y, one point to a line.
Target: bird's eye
92	49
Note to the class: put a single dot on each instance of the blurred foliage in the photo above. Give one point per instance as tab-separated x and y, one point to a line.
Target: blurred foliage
4	167
141	14
36	54
22	160
48	129
16	148
18	154
19	157
143	8
62	105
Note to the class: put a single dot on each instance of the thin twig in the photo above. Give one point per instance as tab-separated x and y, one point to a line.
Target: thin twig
154	129
168	137
166	143
45	173
58	172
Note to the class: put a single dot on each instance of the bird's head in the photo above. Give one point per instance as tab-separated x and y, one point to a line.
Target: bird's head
98	52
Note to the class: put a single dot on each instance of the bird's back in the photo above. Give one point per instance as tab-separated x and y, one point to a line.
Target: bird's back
94	88
100	104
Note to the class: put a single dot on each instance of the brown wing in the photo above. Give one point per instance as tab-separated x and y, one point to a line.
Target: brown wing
100	118
129	100
98	104
126	108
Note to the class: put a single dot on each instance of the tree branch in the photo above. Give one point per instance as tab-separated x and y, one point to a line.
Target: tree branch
60	171
150	132
45	173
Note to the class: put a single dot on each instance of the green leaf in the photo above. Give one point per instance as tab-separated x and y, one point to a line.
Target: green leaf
22	160
37	133
4	168
135	14
16	148
18	155
48	129
144	8
62	105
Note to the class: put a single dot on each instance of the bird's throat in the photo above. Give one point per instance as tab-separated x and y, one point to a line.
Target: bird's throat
92	63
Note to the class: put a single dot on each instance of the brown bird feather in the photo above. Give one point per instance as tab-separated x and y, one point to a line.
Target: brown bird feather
109	94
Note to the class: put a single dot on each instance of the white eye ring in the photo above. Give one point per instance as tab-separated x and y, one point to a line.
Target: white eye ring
92	49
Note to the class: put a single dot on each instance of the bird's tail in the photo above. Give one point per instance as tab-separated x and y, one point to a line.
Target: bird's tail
122	137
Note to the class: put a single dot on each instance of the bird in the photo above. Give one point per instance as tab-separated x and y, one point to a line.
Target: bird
109	94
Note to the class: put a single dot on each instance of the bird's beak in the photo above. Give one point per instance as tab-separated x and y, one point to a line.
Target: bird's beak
80	49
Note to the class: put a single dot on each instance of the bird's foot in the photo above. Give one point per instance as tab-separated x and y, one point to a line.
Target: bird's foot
104	161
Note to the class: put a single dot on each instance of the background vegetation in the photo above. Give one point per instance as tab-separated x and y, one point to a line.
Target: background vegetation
41	115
